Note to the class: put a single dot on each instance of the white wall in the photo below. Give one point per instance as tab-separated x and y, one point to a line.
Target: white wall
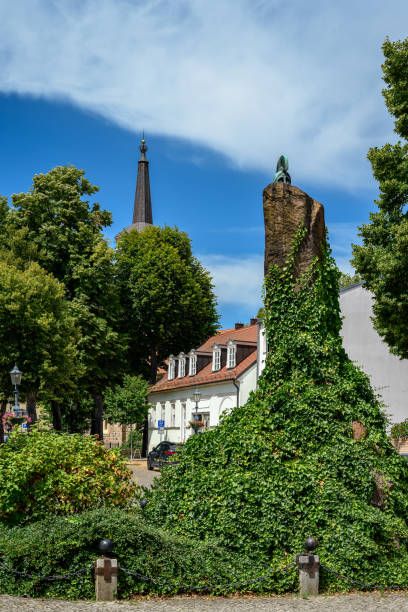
388	374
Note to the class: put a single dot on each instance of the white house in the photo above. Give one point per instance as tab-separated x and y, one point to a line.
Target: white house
223	369
227	366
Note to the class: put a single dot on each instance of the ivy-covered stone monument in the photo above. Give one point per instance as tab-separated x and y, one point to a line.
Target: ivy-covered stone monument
308	454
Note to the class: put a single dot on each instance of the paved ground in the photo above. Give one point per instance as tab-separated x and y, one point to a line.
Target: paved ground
337	603
141	474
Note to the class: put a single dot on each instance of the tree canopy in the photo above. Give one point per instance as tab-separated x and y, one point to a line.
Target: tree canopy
167	294
55	225
382	259
38	331
127	403
348	279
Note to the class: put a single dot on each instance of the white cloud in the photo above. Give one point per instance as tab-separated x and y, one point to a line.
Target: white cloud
237	280
248	78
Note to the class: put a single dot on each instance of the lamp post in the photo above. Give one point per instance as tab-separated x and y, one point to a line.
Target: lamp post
15	376
196	398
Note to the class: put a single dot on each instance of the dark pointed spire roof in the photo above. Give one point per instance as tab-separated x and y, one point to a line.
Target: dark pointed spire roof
142	209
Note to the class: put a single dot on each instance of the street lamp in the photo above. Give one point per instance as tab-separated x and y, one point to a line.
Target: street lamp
196	398
15	376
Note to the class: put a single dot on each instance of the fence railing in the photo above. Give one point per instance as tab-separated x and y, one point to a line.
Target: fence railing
106	570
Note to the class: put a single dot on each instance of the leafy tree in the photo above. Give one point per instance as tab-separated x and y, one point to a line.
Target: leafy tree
348	279
167	294
382	259
127	403
38	331
59	474
64	235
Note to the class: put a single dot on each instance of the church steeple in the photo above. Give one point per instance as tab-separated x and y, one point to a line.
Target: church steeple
142	209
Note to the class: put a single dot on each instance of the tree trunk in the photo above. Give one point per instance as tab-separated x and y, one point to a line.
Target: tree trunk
3	408
97	418
153	366
153	375
56	415
31	406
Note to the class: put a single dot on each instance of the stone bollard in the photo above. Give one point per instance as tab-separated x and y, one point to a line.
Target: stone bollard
106	573
308	564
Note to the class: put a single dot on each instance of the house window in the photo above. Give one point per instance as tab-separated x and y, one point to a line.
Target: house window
173	415
216	358
172	368
193	365
231	355
182	366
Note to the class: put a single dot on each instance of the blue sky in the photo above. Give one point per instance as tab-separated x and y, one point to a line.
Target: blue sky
221	90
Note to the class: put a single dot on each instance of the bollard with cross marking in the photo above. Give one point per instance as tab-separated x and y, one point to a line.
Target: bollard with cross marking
106	573
308	564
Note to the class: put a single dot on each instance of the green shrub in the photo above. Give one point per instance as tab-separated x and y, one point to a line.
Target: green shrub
43	473
61	545
285	466
400	430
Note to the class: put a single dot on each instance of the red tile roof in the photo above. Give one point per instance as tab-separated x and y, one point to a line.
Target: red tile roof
206	375
247	334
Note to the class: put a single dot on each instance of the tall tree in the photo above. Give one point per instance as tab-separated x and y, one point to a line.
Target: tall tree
38	331
55	224
167	294
382	259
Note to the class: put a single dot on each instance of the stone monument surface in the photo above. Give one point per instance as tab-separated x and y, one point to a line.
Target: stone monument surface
286	207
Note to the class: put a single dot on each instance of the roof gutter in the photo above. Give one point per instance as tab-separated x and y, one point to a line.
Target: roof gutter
234	382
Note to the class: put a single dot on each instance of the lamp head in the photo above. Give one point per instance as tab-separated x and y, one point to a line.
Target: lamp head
15	375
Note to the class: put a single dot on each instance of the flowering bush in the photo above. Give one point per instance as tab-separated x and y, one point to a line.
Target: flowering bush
10	420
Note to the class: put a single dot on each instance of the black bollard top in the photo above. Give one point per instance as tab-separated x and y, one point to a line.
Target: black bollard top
143	503
106	546
311	544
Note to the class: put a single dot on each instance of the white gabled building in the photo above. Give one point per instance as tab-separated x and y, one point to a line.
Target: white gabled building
227	366
224	370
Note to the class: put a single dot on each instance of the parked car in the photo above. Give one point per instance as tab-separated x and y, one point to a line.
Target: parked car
164	453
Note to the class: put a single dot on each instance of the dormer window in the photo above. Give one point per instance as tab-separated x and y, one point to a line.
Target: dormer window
231	354
182	366
216	364
192	364
172	368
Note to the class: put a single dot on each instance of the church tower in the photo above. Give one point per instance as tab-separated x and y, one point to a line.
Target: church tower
142	208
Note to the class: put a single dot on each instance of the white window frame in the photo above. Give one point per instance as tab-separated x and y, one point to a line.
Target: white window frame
173	414
192	365
172	368
216	364
231	354
181	365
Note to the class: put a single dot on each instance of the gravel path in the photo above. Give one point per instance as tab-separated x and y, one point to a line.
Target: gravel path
141	475
336	603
